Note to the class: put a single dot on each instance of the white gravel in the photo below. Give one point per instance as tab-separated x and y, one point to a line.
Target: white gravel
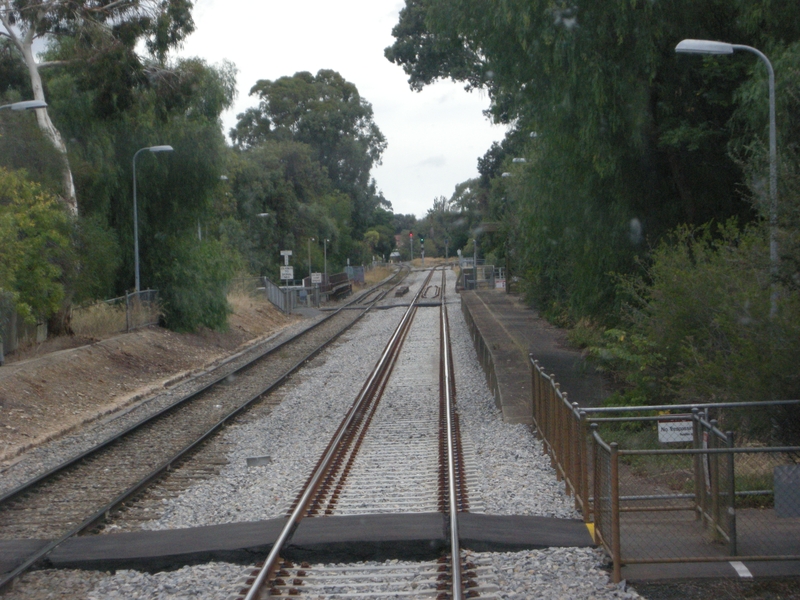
513	476
553	574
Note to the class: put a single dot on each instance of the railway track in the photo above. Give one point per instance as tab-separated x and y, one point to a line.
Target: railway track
78	494
397	450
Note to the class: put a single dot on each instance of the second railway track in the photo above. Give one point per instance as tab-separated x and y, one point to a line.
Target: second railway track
78	494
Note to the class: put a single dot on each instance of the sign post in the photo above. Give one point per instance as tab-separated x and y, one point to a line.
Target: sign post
287	272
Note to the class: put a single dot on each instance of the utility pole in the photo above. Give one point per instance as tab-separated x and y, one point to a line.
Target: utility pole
475	261
411	244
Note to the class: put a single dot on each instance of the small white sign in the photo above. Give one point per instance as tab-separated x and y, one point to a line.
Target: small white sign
675	432
287	272
316	278
286	252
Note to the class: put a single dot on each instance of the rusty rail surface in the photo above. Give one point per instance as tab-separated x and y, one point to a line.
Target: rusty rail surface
375	383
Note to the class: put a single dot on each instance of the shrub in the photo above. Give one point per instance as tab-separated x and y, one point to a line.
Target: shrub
701	329
192	280
34	246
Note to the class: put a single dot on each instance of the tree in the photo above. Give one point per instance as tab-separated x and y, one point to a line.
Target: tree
96	28
34	243
630	140
327	113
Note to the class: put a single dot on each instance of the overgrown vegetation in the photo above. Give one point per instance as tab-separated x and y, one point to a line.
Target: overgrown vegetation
297	178
630	194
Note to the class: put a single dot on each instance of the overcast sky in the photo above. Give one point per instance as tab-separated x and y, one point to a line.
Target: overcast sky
435	137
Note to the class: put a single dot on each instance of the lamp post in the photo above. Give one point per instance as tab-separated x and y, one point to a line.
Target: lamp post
711	47
309	257
325	254
135	211
25	105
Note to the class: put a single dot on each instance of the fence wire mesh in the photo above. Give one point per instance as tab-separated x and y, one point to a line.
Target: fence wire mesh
126	313
705	482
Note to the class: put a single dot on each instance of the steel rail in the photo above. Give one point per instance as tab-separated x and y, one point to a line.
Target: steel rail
447	386
32	559
78	457
293	521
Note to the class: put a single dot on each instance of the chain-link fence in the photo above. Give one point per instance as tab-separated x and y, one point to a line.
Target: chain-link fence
126	313
678	483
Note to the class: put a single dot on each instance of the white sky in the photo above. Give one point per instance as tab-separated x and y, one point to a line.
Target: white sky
434	137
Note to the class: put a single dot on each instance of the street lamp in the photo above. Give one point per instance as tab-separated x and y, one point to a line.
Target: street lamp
711	47
135	212
25	105
325	250
309	257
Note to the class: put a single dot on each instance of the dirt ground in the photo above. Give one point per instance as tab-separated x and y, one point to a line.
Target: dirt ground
51	389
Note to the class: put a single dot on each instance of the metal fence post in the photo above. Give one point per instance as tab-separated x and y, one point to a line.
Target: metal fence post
699	484
574	468
731	495
554	432
597	516
583	448
127	313
714	477
534	413
615	537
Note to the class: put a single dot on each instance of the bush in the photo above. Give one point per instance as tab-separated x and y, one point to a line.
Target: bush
34	246
192	281
701	330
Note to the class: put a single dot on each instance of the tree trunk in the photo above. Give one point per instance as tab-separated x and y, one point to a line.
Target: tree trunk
47	127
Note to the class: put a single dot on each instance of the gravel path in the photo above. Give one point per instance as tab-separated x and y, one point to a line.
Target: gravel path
513	477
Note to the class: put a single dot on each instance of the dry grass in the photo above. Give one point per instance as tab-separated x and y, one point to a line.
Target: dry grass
241	301
377	275
99	320
105	319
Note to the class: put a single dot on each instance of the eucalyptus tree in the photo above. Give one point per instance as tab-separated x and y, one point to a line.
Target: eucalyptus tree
326	112
95	28
629	142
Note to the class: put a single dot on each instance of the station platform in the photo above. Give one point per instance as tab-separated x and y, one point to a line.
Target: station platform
506	332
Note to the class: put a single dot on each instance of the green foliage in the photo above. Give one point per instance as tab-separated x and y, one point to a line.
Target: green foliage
99	258
23	146
192	278
325	112
282	180
631	140
701	328
34	243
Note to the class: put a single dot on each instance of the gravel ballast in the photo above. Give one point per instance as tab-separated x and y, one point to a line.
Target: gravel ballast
512	476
